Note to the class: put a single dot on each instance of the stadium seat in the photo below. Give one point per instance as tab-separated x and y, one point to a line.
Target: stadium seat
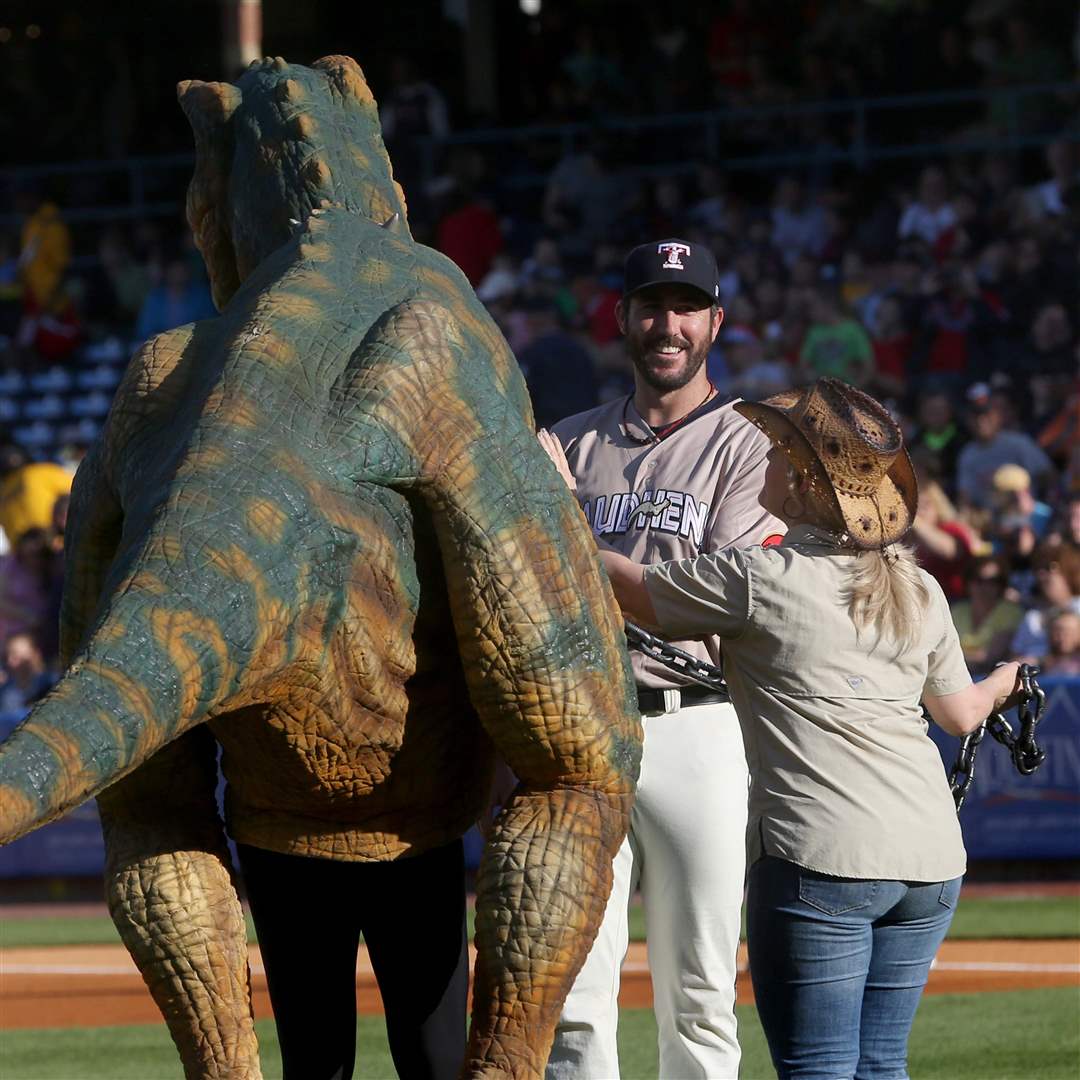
35	435
12	382
46	407
102	352
85	431
56	379
93	404
103	377
9	409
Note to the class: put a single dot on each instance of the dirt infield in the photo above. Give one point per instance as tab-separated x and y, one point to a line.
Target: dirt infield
97	985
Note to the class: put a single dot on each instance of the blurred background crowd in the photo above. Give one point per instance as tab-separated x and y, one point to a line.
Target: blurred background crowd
924	247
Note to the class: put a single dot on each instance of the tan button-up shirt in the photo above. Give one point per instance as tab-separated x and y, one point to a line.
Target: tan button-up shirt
844	778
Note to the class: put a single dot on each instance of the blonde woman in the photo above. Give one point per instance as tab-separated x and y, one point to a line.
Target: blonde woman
831	639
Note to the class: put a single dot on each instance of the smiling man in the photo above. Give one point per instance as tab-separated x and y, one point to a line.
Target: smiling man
669	472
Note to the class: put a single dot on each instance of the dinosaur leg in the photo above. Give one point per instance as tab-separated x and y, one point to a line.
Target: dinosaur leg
171	895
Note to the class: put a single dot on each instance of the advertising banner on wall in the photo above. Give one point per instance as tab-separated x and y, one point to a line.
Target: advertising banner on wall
1009	816
1005	815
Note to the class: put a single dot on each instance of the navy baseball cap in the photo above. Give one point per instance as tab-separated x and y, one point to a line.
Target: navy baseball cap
672	262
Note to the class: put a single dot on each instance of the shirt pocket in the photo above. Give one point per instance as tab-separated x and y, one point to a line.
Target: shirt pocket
835	896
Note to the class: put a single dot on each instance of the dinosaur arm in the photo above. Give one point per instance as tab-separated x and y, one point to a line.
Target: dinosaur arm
170	890
435	404
542	647
540	644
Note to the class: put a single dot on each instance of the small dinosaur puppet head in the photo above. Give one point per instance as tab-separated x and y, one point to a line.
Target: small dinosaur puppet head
281	142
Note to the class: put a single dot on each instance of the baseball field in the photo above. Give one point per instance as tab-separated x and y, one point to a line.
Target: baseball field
1003	999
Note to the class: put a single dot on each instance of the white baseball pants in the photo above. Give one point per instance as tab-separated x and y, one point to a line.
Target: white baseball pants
686	851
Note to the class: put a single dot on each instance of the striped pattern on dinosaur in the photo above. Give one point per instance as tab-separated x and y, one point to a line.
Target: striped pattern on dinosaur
318	535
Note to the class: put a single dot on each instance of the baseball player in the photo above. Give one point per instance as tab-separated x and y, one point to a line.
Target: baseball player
670	472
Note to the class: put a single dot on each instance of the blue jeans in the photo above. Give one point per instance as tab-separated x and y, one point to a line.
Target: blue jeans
838	967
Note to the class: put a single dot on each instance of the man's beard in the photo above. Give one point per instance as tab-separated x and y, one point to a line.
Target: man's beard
667	379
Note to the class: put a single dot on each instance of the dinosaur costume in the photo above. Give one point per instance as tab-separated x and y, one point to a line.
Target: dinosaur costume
319	534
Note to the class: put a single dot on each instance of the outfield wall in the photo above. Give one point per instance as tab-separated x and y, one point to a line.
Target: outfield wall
1006	816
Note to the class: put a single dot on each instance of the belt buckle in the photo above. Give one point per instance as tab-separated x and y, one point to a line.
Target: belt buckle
672	701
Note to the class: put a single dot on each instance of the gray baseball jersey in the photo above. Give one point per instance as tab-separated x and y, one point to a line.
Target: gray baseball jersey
694	491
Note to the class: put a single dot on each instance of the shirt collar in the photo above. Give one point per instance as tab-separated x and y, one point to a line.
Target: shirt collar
637	428
812	536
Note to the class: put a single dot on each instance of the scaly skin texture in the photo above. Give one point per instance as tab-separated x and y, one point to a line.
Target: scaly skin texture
318	533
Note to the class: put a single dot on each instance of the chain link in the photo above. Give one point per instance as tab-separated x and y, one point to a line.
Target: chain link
699	671
1026	754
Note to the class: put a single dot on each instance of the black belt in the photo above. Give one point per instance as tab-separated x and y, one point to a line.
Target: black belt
652	700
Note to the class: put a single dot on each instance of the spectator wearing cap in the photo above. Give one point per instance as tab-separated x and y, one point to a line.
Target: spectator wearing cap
991	447
1020	520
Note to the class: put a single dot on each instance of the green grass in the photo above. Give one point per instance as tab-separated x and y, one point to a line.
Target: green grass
1020	1035
46	930
1017	917
976	917
979	917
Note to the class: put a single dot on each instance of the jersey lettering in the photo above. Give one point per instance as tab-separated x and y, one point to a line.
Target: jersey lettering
675	512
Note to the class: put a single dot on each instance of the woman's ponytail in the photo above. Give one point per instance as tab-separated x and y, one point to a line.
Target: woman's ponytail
887	595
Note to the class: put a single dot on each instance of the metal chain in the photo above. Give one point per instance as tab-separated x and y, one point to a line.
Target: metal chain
1026	754
699	671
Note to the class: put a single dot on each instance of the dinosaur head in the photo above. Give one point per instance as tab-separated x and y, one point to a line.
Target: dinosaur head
268	150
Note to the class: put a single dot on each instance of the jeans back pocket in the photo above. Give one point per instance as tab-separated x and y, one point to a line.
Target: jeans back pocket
950	892
834	896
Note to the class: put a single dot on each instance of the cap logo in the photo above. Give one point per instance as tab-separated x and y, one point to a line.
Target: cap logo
674	253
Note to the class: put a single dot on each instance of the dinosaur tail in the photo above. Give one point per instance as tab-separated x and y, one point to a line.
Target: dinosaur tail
156	664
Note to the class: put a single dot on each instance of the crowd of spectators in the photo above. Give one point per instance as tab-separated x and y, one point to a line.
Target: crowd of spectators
948	289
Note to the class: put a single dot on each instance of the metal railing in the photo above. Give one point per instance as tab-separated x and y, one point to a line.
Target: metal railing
709	131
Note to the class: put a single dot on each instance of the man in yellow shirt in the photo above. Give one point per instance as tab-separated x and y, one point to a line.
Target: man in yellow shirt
28	491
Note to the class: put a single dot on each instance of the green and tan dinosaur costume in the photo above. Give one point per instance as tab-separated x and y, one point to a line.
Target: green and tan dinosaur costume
318	534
